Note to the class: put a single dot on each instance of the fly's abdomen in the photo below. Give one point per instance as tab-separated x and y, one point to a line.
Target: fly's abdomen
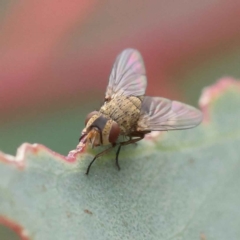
124	110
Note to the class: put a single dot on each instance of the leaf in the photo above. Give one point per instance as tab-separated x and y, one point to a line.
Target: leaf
180	185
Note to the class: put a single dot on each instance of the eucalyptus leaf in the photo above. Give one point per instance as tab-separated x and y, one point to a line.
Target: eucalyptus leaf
182	185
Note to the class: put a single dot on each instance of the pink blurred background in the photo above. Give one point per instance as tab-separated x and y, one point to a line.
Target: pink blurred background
56	51
57	55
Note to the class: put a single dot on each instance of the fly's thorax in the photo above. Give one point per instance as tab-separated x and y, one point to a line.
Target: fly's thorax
124	110
102	129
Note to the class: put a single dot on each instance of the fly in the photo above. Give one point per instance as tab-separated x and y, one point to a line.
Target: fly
128	112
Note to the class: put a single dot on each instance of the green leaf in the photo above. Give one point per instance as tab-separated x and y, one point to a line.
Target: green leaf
181	185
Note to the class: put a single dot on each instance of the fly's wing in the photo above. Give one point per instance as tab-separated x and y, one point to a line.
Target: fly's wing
161	114
128	76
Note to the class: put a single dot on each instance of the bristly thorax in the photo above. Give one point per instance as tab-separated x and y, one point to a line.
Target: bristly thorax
124	110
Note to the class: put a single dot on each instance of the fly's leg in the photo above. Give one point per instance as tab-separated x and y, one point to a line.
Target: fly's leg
119	148
98	155
130	141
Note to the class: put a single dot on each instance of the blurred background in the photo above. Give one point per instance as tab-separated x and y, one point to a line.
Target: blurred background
56	57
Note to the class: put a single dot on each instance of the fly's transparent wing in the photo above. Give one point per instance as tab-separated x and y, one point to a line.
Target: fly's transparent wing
128	76
161	114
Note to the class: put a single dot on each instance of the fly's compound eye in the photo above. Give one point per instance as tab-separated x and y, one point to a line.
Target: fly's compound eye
114	133
89	116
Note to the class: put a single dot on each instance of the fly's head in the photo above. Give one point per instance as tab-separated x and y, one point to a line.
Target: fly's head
99	130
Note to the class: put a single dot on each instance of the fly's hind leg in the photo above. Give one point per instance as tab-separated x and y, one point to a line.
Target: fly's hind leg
130	141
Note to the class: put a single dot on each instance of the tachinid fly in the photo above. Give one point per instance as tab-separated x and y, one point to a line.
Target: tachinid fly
127	112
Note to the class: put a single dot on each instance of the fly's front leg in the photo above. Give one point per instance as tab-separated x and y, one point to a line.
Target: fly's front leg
119	148
140	137
98	155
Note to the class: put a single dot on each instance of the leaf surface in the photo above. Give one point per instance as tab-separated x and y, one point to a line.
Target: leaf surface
180	185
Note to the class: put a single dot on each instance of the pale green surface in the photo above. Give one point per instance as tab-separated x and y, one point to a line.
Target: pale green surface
182	186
